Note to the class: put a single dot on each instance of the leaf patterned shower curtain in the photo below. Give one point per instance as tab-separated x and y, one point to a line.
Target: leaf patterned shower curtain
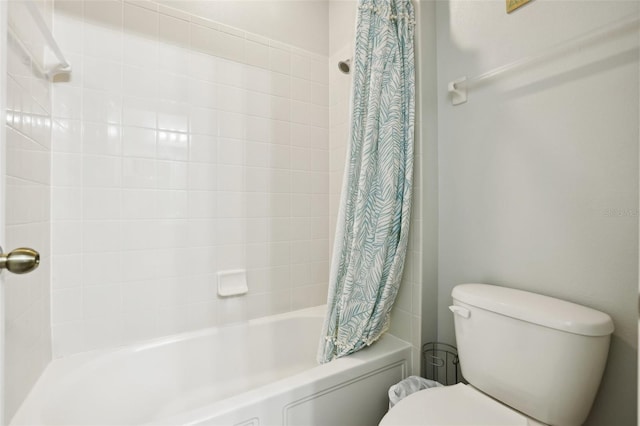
373	221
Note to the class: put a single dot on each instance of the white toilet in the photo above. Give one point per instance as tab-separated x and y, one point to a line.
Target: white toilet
529	359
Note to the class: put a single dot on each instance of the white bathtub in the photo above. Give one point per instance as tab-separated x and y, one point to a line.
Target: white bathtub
258	373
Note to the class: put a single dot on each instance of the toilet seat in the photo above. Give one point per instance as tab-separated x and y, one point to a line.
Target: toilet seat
457	405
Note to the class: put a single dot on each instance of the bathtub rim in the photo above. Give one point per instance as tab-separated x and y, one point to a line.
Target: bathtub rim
341	369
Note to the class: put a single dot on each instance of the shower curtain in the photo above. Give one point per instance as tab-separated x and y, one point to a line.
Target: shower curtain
373	220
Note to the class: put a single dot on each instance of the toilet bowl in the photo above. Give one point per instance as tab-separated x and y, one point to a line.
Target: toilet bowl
513	347
460	405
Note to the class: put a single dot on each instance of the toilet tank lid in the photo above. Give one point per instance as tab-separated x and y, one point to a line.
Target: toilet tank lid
535	308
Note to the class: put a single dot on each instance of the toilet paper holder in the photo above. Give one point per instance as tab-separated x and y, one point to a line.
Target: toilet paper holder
440	362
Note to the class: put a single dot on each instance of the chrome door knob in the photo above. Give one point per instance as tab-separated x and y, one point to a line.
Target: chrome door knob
20	260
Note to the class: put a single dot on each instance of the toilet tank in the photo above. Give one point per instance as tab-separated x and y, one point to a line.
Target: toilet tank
537	354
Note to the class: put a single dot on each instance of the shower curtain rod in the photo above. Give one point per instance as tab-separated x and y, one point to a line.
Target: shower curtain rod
63	66
458	88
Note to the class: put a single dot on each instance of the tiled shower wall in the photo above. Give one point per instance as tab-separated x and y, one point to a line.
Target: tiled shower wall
27	348
182	147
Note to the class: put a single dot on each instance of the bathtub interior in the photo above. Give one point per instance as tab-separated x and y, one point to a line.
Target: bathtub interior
173	375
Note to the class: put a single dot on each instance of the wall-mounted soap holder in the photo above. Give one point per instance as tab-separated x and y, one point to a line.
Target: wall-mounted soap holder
232	282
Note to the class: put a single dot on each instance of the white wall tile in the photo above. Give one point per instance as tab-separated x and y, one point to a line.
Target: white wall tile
101	139
66	203
201	232
257	154
257	204
66	135
66	169
101	268
258	129
171	204
228	46
138	203
232	125
232	204
101	171
139	265
172	58
203	315
99	236
100	204
280	108
173	87
258	79
319	72
140	82
300	66
202	204
138	142
319	94
173	30
101	332
230	231
171	175
173	116
231	256
203	121
67	338
300	89
66	305
172	145
230	72
232	99
300	112
258	104
138	173
202	67
202	148
202	176
140	297
139	325
280	132
279	60
67	101
139	112
280	84
201	38
66	237
101	106
65	272
102	74
203	94
231	151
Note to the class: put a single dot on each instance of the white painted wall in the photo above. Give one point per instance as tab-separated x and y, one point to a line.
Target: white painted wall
342	24
427	156
538	172
300	23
